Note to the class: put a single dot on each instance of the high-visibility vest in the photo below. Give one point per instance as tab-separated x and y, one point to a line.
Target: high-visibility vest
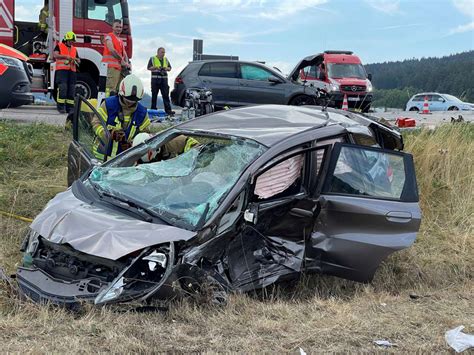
66	64
112	104
108	58
157	63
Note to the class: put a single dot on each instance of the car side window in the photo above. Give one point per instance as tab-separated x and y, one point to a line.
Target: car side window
418	98
368	172
253	72
219	70
436	98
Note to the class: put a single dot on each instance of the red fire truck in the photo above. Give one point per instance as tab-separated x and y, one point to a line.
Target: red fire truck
89	19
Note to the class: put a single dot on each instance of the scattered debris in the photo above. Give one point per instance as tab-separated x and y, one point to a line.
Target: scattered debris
458	340
460	119
383	304
302	352
384	343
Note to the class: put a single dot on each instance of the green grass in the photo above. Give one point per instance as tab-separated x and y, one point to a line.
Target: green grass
319	313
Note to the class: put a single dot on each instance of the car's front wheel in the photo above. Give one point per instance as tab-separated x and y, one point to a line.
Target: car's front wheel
413	109
301	100
453	108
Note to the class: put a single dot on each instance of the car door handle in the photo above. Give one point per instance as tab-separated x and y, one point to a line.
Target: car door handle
207	81
244	84
398	216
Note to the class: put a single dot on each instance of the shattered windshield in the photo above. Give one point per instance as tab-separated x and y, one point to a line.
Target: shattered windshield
185	188
346	71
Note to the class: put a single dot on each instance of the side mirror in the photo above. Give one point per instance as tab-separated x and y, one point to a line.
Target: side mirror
274	80
251	213
369	76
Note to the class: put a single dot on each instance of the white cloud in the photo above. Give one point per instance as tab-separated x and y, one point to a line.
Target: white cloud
178	53
390	7
465	6
287	8
28	14
462	28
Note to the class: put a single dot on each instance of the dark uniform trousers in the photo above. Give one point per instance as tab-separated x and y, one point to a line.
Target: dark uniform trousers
160	84
66	83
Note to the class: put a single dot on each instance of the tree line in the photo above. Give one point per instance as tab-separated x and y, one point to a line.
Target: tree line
396	82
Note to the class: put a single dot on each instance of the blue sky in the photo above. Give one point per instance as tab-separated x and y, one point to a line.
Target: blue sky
280	32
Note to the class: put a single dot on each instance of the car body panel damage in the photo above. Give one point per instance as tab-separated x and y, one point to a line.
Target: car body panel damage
240	210
100	232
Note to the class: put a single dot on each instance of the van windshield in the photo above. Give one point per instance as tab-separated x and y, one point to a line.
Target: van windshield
346	71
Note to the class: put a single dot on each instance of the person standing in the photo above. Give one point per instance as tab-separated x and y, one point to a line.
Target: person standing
116	58
65	55
159	66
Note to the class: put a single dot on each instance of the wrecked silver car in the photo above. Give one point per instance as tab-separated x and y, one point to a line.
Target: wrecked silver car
263	194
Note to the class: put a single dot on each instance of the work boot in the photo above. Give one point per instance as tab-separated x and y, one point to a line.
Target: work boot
170	113
61	108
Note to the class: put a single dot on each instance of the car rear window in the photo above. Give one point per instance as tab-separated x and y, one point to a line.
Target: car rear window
220	70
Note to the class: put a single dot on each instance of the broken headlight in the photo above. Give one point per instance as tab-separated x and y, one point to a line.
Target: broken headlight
142	278
29	246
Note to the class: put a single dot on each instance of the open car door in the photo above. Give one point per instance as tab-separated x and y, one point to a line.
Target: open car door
368	210
80	154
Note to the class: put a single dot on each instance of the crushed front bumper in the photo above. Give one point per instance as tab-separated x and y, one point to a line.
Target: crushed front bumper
42	288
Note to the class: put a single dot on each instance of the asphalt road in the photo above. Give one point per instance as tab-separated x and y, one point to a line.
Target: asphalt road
48	114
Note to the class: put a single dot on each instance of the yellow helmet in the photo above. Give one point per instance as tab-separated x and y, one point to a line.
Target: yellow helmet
70	36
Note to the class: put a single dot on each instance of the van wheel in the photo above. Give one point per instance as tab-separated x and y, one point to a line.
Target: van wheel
413	109
86	86
453	108
301	100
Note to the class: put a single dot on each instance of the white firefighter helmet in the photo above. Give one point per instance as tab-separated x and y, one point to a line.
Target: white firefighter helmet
139	139
131	88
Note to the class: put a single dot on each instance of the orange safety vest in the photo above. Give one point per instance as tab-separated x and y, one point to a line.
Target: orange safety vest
66	64
108	58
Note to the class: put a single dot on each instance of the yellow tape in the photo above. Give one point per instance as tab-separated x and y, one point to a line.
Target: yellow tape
12	215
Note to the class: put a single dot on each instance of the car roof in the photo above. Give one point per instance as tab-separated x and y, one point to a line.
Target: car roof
270	124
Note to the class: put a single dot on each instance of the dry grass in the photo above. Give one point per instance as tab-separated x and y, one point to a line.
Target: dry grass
317	314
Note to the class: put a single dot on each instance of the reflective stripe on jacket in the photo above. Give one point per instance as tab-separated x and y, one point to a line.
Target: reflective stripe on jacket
108	57
66	64
113	108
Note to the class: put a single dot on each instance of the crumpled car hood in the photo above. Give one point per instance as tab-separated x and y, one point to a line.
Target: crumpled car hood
100	232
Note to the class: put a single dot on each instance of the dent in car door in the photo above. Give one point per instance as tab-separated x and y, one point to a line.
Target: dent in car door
369	209
80	153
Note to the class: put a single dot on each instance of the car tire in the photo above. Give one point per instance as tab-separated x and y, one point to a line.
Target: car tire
301	100
86	86
414	109
453	108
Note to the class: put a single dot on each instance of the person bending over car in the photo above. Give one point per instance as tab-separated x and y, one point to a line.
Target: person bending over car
176	146
124	116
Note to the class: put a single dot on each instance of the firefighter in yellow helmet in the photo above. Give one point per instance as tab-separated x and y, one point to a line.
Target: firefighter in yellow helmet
67	60
43	18
124	117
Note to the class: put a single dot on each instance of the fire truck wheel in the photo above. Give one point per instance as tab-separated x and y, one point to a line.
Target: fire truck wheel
86	86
